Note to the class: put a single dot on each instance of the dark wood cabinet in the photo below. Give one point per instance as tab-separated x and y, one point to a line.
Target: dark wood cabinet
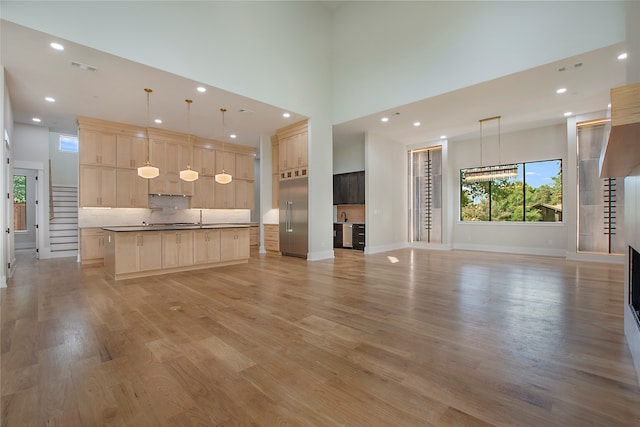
348	188
358	236
337	235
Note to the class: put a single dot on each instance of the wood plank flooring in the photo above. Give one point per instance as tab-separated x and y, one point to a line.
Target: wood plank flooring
435	339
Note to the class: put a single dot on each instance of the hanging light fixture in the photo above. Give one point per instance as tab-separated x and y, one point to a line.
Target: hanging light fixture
147	171
224	177
489	173
188	174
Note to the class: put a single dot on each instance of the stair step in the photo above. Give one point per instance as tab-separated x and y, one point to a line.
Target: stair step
58	240
64	247
66	214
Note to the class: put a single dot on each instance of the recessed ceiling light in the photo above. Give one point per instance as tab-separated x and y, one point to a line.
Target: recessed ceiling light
57	46
561	90
384	119
443	136
416	124
201	89
158	121
286	115
568	113
36	119
50	99
233	136
622	56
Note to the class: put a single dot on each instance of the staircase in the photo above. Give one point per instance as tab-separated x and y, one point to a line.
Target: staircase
63	228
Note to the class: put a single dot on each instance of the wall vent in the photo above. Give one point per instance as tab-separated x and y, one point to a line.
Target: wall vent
82	66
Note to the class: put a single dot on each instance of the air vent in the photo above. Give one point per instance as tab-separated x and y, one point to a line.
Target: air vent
245	110
83	66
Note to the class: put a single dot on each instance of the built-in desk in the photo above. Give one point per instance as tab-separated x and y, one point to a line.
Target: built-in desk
141	251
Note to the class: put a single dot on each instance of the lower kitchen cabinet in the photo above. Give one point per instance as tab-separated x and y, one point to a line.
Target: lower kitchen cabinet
272	237
234	244
358	238
206	246
337	235
91	245
136	252
177	248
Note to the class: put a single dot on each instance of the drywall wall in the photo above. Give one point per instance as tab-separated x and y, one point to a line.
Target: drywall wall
64	165
6	128
387	53
348	156
546	143
385	193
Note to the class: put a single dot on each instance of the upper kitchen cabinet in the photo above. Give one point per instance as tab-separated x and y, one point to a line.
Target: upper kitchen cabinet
244	167
97	186
226	160
97	148
292	151
170	153
131	151
348	188
204	161
131	190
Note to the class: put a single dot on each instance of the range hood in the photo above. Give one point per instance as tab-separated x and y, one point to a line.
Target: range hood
621	154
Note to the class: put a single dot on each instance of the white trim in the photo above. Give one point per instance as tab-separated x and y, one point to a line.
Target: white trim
591	257
430	246
384	248
3	281
511	250
320	255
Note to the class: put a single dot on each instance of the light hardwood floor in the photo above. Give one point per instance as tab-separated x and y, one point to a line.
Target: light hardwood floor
437	338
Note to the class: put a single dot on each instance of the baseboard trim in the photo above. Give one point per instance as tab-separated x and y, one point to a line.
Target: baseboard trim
512	250
319	256
609	259
384	248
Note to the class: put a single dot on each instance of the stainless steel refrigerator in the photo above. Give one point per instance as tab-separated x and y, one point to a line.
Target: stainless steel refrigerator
294	217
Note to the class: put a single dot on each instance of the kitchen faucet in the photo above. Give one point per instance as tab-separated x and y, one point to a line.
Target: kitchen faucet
343	213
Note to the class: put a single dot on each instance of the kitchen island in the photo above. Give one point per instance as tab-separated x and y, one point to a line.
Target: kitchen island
140	251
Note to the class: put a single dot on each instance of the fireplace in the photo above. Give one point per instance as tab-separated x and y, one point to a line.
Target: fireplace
634	283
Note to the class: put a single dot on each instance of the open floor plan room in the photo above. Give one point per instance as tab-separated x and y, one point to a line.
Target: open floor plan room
403	338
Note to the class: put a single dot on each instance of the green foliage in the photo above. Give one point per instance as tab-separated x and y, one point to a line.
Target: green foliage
19	189
510	200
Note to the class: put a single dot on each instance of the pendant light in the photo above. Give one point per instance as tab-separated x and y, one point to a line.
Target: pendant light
147	171
489	173
188	174
224	177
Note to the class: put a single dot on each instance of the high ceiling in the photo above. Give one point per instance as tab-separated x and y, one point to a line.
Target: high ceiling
115	92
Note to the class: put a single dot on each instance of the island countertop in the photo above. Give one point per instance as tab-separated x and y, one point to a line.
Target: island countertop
170	227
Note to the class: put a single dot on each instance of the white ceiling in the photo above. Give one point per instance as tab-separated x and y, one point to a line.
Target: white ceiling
115	92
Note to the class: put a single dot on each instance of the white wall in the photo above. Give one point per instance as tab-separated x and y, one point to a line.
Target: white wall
387	53
385	194
547	143
64	165
6	124
348	156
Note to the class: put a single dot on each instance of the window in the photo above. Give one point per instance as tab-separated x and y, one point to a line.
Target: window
68	144
426	195
532	193
19	203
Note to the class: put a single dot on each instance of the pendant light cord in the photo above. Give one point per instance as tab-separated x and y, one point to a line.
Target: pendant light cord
223	110
148	139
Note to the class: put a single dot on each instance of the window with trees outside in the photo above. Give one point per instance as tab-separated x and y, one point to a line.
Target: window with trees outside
533	194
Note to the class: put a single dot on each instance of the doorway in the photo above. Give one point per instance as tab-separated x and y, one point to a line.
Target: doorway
25	192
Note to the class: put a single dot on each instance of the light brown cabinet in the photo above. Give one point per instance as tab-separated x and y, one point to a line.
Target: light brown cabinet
293	151
254	235
204	161
91	245
203	197
227	161
275	177
131	190
206	246
272	237
177	248
245	192
171	158
97	148
244	167
131	151
224	195
234	244
137	252
97	187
